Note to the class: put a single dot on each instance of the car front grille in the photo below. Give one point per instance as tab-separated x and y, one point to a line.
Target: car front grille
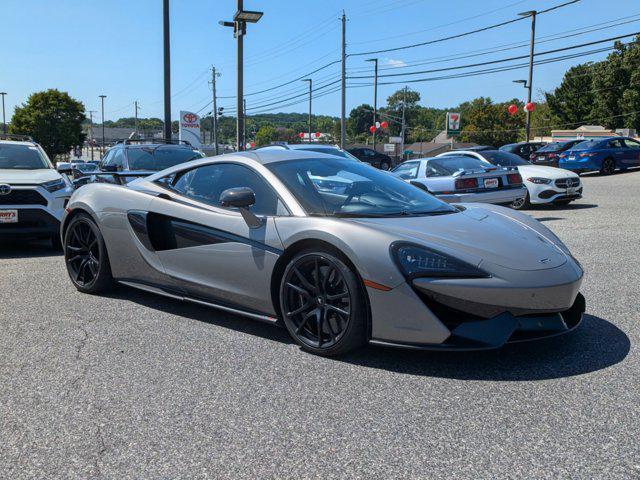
567	182
23	197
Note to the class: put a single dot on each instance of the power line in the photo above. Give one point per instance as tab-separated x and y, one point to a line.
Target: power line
460	35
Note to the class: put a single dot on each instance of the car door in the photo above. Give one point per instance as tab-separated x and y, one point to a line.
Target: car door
632	154
209	251
617	150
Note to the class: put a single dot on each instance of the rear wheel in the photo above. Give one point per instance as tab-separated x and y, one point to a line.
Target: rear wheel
85	255
608	166
322	304
521	203
384	165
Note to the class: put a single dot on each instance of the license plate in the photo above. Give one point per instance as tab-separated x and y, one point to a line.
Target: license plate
490	183
571	190
8	216
541	159
572	157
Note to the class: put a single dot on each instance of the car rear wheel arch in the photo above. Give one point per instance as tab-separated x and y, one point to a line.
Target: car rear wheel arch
318	245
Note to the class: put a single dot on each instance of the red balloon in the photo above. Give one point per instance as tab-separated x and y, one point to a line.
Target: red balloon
530	107
384	124
512	109
301	135
317	134
372	129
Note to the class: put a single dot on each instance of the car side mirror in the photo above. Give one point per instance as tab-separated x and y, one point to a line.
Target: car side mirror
241	198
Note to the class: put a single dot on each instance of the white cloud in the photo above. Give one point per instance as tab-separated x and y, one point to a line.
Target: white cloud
395	63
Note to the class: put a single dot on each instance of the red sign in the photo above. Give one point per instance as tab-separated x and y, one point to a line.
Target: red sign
190	118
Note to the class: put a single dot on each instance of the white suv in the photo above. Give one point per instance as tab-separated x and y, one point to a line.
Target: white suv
33	193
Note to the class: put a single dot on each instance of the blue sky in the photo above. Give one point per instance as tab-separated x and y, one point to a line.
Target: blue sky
114	47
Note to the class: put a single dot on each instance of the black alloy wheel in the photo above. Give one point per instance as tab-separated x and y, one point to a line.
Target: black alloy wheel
85	256
608	166
322	304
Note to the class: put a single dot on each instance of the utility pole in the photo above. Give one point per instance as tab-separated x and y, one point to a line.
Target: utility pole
102	97
310	95
375	97
532	14
4	118
167	71
343	116
136	117
214	74
91	112
239	24
244	123
404	103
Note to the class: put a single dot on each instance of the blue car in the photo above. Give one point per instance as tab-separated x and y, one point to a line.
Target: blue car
603	155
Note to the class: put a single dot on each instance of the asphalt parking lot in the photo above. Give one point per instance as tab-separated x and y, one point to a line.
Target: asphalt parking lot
136	386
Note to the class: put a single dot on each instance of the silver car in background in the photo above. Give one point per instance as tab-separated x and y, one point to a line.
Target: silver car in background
338	252
459	178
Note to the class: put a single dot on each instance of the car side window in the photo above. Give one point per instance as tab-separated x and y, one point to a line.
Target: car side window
615	143
369	153
435	170
117	160
206	184
407	170
632	144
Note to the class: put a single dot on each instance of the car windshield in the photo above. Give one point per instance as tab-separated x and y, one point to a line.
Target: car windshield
587	145
504	159
332	151
85	167
344	188
156	158
452	164
21	157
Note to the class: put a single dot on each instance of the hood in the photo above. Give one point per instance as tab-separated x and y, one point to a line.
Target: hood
478	235
546	172
28	177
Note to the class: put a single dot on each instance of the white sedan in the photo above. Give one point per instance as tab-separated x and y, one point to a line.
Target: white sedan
460	179
545	185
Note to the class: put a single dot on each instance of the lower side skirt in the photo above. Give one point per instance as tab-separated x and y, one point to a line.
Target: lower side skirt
206	303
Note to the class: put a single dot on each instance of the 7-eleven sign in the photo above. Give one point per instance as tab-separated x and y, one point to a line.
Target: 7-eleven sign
453	123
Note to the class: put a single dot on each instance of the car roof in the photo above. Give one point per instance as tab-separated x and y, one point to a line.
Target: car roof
17	142
296	146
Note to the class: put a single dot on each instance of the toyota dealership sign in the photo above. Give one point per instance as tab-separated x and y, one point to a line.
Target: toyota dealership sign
190	128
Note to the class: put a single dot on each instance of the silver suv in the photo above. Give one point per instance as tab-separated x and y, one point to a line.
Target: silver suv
33	193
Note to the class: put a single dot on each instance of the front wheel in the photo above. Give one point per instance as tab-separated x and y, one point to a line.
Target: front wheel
385	166
85	255
322	304
608	166
521	203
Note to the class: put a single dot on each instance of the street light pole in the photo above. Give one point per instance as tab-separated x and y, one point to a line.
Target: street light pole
4	118
102	97
239	25
91	112
343	116
310	96
167	71
375	97
532	14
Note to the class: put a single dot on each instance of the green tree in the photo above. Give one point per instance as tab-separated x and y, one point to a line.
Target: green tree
572	102
359	121
53	119
266	135
486	123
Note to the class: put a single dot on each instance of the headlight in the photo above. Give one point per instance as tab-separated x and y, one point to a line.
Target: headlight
55	185
539	180
417	261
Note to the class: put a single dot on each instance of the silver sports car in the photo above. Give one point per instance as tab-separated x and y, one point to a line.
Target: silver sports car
338	252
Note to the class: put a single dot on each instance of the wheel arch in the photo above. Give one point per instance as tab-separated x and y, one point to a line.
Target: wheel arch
308	243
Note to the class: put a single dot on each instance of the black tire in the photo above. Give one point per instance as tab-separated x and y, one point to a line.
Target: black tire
521	205
322	304
385	165
608	166
85	255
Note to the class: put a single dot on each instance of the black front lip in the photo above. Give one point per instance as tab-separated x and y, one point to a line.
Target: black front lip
502	329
